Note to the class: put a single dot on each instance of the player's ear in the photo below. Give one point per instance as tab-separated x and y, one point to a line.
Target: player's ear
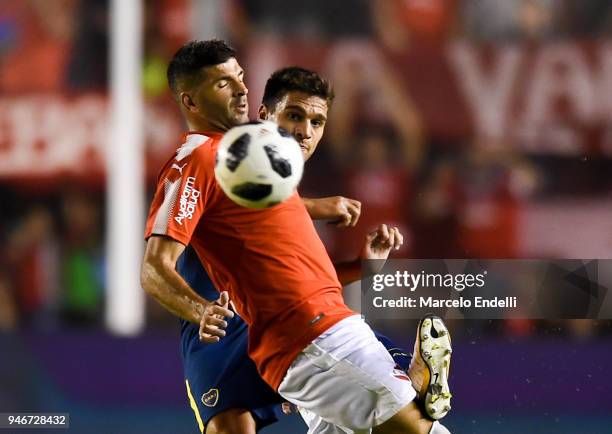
188	103
263	113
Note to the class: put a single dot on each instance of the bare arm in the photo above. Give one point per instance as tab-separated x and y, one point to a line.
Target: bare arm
349	271
387	24
343	211
160	279
404	114
377	246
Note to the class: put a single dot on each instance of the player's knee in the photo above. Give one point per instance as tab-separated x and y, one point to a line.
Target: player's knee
232	422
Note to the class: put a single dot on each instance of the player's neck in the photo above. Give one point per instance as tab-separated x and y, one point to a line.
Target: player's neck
206	125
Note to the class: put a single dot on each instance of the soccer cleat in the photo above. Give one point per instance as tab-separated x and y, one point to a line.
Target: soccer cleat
430	366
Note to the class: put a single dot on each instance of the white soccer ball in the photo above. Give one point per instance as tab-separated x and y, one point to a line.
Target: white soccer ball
258	165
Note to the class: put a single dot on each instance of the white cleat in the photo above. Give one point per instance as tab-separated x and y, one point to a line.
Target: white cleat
430	365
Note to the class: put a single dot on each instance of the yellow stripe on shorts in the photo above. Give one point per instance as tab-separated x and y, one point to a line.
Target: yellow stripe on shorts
194	407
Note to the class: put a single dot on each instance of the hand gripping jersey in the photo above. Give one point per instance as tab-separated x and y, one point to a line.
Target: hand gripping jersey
271	261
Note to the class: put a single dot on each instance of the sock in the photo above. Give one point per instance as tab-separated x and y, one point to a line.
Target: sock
438	428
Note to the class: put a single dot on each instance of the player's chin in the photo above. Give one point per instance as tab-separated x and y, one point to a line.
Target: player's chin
238	114
240	118
305	153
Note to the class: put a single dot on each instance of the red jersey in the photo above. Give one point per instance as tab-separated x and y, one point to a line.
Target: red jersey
271	261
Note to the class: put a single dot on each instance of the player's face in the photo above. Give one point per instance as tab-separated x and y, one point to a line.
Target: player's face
304	116
221	96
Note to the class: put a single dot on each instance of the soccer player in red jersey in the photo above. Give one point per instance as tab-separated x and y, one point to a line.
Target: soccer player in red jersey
216	375
306	343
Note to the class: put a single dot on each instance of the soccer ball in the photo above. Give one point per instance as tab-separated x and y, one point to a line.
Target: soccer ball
258	165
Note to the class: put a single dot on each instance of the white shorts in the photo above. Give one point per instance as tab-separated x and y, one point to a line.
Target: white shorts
316	425
347	378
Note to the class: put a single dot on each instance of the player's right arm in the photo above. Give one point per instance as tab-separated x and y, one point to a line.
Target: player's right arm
180	200
160	279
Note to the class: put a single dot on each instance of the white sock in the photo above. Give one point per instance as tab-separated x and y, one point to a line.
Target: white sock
438	428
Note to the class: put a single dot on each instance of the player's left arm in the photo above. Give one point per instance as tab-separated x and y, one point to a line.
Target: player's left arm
342	211
377	247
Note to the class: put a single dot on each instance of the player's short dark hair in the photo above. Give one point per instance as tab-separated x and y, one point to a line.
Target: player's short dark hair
297	79
192	57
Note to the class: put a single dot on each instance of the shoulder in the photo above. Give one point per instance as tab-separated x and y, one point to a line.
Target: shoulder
197	153
197	145
194	155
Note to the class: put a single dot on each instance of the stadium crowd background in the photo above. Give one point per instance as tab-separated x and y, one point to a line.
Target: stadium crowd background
483	128
402	137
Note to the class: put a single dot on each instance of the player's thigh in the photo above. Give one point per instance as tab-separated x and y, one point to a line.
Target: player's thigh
347	377
317	425
409	420
233	421
217	376
219	400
